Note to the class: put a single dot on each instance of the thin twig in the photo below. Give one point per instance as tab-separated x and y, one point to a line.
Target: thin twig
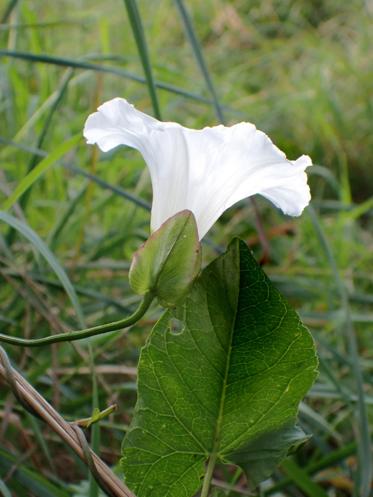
100	369
232	488
69	432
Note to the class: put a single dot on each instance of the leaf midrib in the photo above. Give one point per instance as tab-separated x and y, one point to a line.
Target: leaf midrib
219	423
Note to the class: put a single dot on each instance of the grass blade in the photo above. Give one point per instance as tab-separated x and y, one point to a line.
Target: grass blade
34	159
76	64
323	463
302	480
197	50
41	440
27	480
365	467
64	218
361	209
37	171
9	9
4	490
138	33
21	146
115	189
41	247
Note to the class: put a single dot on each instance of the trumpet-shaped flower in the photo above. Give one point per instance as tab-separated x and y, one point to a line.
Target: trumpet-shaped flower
205	171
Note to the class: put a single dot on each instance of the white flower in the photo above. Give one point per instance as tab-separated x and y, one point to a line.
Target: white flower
205	171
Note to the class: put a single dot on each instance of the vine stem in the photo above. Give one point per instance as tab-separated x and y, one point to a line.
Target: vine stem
70	433
208	475
85	333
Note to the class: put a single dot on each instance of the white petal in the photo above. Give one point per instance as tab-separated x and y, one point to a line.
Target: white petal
205	171
117	122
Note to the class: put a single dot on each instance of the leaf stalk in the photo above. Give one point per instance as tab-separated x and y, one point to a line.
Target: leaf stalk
209	474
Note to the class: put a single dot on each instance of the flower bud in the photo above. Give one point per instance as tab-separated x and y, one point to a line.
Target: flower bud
169	261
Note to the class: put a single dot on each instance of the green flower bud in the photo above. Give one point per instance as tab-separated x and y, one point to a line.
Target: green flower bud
169	261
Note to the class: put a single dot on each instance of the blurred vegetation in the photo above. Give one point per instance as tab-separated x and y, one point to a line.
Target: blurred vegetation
301	70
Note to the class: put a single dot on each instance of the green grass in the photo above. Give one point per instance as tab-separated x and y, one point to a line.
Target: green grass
301	71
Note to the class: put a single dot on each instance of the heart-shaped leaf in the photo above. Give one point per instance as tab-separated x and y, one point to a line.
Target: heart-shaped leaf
223	386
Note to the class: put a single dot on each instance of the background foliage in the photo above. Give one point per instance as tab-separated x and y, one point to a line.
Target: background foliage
301	71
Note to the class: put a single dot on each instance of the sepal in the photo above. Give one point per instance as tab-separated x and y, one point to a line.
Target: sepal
169	261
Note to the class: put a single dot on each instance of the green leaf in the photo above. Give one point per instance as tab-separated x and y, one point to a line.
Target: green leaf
224	389
169	261
267	450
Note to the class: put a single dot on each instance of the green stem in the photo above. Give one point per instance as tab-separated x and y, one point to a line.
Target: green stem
209	474
88	332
